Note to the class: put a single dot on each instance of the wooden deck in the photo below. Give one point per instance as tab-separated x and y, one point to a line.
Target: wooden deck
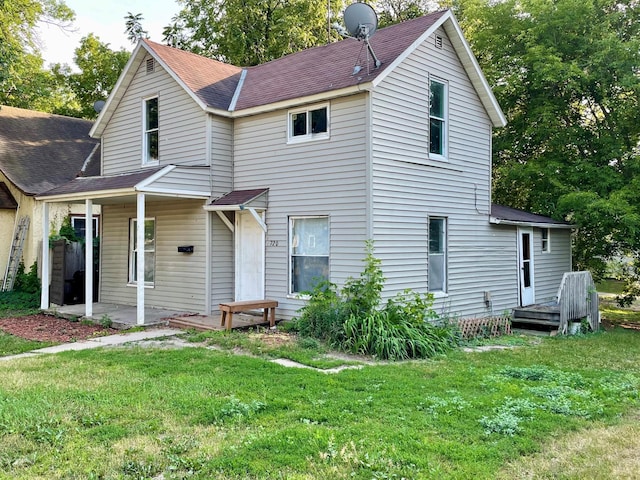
212	322
537	317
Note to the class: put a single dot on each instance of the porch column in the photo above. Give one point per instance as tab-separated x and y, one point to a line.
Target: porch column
140	258
44	270
208	260
88	258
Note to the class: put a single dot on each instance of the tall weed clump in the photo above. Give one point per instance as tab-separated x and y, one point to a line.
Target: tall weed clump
26	291
353	319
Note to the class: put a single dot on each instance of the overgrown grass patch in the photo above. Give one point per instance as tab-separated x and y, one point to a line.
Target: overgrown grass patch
201	413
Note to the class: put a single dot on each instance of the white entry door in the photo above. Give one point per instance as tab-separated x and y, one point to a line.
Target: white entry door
525	264
250	240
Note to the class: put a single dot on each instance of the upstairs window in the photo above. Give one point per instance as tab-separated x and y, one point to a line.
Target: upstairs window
437	119
150	140
309	124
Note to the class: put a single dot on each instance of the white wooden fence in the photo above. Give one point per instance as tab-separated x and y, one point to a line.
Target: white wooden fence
578	299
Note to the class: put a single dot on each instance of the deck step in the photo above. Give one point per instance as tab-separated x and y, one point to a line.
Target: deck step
535	321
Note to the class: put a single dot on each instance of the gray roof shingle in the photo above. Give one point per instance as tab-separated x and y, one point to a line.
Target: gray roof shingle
501	212
39	151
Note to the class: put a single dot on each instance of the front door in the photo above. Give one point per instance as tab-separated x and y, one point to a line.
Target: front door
249	257
525	263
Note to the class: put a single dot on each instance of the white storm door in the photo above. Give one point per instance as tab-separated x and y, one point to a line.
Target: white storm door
250	238
525	264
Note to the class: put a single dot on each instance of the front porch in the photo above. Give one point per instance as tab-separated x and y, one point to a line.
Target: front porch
126	316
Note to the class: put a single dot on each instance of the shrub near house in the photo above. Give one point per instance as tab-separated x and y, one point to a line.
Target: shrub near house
352	319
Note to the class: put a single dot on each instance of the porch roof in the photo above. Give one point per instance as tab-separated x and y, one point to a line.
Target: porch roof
501	215
239	200
166	181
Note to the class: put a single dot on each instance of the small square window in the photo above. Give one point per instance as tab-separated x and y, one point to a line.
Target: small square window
309	124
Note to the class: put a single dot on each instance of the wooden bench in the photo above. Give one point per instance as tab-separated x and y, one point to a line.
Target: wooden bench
229	308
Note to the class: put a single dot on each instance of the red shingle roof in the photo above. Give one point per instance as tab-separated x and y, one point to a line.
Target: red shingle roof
212	81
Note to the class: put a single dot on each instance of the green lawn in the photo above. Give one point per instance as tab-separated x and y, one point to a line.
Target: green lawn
12	345
134	413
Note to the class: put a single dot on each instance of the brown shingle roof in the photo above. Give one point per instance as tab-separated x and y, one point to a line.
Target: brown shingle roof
239	197
212	81
329	67
7	202
39	151
91	184
308	72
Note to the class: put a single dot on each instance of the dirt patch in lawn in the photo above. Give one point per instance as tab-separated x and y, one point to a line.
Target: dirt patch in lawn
47	328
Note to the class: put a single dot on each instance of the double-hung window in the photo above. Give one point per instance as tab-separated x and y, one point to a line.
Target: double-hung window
308	252
150	138
437	254
148	250
437	119
309	124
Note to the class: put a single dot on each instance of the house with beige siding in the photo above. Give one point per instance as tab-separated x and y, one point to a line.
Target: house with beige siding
39	151
222	183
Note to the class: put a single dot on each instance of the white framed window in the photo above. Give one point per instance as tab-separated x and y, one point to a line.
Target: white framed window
437	254
438	110
546	240
79	225
308	252
148	250
150	131
311	123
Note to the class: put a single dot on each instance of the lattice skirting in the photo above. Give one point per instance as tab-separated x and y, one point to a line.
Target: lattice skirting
486	327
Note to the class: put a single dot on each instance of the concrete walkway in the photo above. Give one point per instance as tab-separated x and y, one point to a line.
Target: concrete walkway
97	342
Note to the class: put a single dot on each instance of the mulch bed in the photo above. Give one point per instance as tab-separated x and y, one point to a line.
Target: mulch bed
47	328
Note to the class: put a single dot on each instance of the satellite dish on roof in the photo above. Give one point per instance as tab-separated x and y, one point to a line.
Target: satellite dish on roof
98	105
361	20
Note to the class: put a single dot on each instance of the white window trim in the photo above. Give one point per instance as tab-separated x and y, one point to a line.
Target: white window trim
131	267
444	292
145	157
542	241
445	119
309	137
298	295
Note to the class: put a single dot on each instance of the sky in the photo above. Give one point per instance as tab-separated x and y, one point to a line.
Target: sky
105	19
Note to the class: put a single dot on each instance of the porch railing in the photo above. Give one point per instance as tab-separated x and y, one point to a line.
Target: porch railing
578	299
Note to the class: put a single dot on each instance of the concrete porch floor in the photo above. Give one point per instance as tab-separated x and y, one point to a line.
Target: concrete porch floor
124	316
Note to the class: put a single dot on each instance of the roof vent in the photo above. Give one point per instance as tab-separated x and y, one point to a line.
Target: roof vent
151	65
438	41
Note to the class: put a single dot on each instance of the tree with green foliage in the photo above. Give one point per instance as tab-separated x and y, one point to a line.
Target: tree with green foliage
23	81
100	67
249	32
133	27
566	73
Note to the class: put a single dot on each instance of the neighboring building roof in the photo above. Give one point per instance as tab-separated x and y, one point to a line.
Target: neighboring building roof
324	71
39	151
7	202
512	216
